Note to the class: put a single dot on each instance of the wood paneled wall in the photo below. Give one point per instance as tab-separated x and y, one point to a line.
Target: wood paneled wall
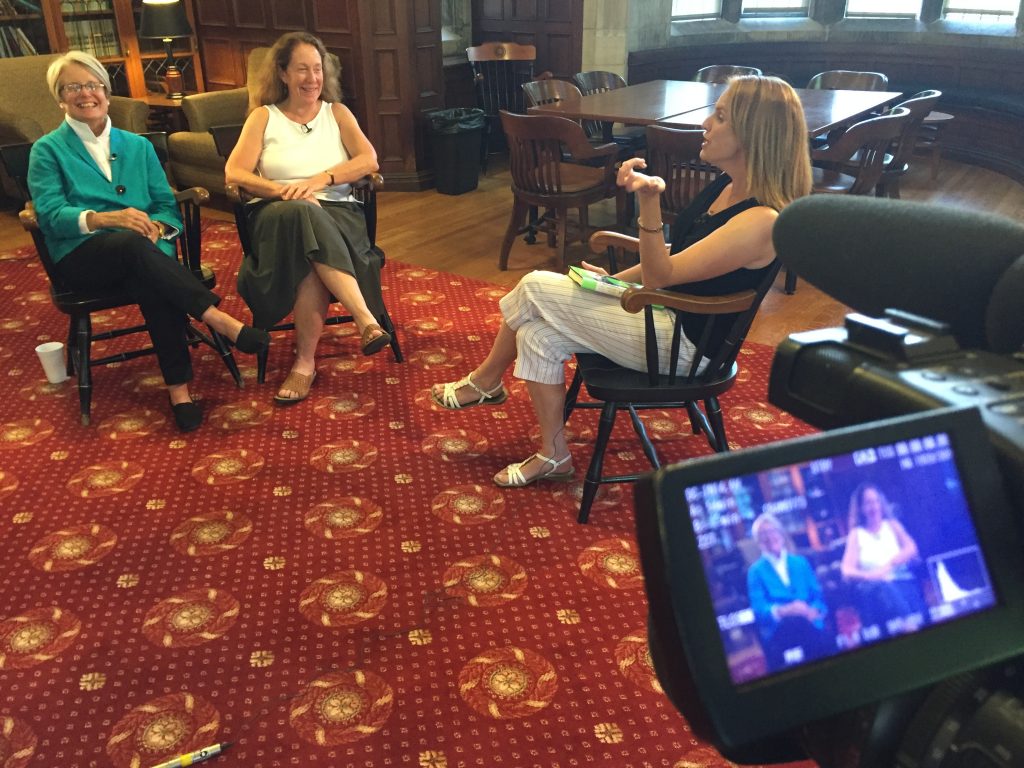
390	53
555	27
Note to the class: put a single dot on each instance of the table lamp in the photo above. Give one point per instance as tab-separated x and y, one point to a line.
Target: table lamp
166	20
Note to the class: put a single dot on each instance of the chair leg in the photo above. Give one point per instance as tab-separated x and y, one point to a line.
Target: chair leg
571	395
261	365
563	226
387	325
72	347
645	440
220	344
696	417
83	340
714	410
593	478
790	286
532	221
515	221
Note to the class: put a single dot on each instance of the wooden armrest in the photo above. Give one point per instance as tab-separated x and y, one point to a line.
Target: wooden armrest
236	194
635	299
28	219
372	181
195	195
599	241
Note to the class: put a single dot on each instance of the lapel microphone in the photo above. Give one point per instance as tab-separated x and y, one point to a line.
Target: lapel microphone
113	156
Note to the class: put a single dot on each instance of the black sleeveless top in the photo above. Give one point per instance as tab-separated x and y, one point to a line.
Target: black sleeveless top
694	223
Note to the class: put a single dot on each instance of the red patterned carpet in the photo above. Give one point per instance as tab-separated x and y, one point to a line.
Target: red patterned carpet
334	584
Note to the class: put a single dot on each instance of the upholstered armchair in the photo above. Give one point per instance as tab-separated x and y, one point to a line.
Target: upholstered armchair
28	110
194	158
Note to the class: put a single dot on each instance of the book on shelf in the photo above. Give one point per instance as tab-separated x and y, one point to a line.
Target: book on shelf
595	281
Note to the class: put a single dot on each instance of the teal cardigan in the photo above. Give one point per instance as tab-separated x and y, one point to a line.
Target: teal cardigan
64	181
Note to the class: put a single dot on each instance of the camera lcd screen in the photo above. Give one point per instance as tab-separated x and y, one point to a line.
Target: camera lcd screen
810	560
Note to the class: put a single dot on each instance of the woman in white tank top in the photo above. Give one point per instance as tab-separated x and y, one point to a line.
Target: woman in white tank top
298	153
878	551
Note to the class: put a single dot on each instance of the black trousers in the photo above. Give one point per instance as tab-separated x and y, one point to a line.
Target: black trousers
165	291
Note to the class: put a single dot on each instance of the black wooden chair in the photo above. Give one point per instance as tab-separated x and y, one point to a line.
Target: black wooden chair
499	71
853	161
728	318
365	190
898	163
79	305
720	73
631	137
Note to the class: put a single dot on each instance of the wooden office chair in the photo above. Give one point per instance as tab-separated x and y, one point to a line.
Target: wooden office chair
897	164
541	177
79	305
720	73
225	137
674	155
852	164
848	80
727	320
598	81
499	71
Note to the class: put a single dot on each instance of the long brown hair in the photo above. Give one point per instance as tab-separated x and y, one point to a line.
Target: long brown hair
270	89
769	124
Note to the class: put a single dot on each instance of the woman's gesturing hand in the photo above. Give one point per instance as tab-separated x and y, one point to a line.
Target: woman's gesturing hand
632	181
128	218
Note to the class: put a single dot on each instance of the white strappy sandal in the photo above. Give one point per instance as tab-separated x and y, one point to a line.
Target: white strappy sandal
450	400
516	478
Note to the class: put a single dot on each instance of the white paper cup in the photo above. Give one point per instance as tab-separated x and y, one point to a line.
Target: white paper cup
51	355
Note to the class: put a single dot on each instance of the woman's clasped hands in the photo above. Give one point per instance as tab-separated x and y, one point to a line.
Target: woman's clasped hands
127	218
301	190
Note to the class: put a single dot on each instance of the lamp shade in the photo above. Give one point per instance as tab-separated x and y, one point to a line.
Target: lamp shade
164	19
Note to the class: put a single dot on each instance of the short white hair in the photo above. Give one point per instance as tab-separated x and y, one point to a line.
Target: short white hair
81	58
766	519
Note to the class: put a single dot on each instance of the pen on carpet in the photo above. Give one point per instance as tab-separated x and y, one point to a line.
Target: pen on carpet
195	757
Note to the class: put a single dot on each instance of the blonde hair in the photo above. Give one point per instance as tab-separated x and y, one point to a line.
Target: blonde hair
769	124
270	89
75	57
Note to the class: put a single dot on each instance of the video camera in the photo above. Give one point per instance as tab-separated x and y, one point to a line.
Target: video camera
857	596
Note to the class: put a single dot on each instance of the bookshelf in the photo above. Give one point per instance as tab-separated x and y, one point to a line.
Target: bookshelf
104	28
22	29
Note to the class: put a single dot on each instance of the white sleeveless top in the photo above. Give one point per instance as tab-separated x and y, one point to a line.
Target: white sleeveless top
294	152
877	549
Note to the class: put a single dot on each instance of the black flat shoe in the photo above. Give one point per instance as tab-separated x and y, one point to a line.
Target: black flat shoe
188	416
252	340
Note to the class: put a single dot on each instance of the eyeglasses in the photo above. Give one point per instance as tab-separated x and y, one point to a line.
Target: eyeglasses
77	87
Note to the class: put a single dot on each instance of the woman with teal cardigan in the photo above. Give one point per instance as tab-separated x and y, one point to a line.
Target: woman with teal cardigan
109	219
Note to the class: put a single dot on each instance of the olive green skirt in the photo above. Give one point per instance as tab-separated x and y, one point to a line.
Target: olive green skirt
287	237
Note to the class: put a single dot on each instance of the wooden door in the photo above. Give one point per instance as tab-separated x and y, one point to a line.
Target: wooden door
555	27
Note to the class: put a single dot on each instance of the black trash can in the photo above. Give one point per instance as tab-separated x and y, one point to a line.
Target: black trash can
455	142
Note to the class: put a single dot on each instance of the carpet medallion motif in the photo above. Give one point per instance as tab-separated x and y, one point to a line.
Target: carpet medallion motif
334	584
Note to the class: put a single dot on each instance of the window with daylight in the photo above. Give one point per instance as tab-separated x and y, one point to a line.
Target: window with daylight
883	9
755	8
691	10
982	11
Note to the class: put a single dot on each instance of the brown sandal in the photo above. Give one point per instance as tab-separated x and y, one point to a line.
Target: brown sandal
296	382
374	344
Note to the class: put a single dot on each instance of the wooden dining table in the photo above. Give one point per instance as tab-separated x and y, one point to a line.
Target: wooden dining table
685	104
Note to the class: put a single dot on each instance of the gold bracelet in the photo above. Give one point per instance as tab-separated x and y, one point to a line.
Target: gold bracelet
660	229
331	174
